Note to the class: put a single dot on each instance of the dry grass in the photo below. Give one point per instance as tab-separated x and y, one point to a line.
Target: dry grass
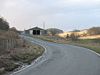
27	54
22	51
8	35
93	44
90	37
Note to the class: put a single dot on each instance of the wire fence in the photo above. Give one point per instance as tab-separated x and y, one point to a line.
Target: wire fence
8	43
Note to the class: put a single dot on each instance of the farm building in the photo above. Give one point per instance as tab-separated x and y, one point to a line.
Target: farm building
36	31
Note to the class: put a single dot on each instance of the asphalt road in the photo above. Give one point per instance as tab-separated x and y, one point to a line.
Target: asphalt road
64	60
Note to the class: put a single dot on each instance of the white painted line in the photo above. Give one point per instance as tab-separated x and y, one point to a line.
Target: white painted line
94	52
88	49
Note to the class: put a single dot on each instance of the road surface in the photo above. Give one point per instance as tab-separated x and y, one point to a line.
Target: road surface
64	59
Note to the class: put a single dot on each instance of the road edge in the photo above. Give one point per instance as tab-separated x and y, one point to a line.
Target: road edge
33	63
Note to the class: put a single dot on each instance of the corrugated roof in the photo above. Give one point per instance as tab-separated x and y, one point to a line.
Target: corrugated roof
36	28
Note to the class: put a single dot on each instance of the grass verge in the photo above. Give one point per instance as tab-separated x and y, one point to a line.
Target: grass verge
92	44
25	55
28	54
54	39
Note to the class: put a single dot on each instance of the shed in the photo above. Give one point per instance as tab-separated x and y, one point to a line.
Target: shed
36	31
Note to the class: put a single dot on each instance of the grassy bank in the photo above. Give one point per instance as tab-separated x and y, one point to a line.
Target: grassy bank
92	44
26	54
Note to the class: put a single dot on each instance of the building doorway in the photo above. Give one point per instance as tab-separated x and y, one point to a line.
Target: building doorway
36	32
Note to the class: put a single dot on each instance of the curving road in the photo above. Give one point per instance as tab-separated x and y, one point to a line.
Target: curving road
63	59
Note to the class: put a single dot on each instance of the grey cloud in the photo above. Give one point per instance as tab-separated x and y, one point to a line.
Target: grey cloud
25	13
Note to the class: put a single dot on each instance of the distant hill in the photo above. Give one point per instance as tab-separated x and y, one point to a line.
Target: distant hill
54	31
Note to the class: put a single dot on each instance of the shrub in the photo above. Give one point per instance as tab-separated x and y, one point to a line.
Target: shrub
4	25
11	34
74	37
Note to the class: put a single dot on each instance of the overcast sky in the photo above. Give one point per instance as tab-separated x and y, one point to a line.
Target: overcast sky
63	14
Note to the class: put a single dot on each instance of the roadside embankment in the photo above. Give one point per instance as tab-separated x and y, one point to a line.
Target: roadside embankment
16	51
